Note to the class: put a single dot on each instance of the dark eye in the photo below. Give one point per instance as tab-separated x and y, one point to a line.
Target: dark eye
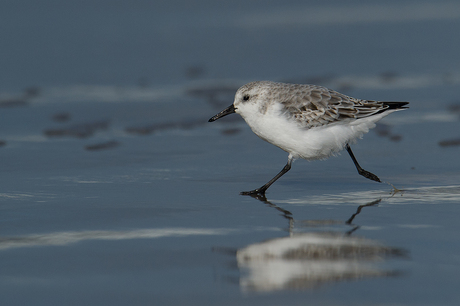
245	97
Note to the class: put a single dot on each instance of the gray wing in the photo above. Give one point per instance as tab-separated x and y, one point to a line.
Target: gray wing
313	105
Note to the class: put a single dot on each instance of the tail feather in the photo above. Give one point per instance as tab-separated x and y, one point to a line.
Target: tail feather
395	105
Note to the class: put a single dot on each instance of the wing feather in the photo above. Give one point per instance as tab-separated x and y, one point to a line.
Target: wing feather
313	105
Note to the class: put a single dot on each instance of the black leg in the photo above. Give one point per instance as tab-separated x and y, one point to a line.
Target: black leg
361	171
261	190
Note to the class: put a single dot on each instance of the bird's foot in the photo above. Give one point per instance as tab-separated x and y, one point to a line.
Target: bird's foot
369	175
253	192
256	193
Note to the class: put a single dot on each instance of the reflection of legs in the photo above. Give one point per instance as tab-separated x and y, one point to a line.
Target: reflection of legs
262	189
360	207
361	171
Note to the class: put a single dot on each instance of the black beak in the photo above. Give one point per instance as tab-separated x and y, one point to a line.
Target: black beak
229	110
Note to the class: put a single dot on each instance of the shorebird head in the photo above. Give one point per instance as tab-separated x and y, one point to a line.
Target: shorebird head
246	100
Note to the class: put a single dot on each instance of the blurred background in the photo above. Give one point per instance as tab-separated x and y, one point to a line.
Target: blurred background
122	43
115	189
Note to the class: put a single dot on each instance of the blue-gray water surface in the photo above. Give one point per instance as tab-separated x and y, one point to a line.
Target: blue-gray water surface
116	190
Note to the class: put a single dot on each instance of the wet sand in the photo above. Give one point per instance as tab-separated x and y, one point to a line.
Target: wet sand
116	190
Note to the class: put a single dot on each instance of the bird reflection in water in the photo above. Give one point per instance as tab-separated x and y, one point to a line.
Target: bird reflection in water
308	259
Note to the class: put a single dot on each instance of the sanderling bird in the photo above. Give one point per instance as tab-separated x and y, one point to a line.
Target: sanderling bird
307	121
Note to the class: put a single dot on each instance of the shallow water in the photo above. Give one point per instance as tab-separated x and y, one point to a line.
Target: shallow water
116	189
